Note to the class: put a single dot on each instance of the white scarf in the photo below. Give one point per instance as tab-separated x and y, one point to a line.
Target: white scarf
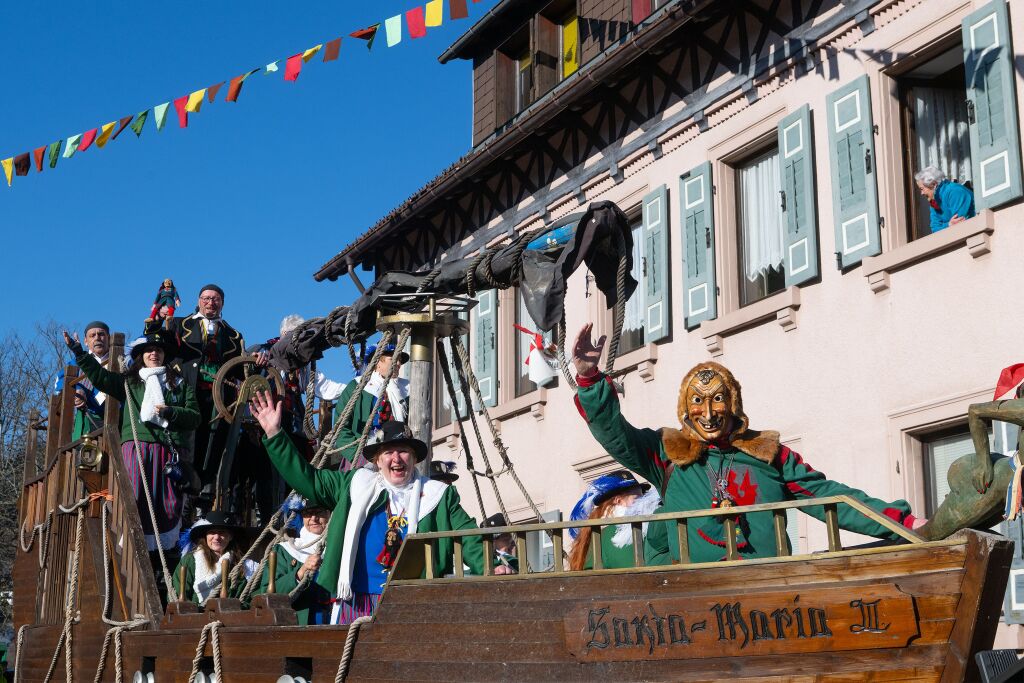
302	547
398	391
207	579
417	499
644	505
156	381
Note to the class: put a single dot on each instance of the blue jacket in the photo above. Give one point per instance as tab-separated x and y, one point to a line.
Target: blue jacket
954	200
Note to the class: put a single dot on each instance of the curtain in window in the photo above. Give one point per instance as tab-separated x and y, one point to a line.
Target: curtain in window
761	216
943	138
636	305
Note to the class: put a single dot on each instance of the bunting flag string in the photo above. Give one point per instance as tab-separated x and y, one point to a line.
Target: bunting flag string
417	20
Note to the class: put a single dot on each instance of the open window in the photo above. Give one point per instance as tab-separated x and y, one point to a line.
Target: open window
556	42
523	385
633	323
759	199
514	64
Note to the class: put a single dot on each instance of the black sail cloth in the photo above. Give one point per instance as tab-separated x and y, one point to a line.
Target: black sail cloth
601	236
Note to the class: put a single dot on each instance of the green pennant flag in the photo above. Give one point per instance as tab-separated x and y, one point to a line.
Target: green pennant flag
160	114
139	122
54	152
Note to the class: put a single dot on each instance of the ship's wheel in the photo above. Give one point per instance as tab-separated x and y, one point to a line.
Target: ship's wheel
237	382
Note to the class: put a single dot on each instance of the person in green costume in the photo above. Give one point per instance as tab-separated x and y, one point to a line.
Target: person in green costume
504	544
212	541
394	406
89	400
714	460
373	508
297	557
617	494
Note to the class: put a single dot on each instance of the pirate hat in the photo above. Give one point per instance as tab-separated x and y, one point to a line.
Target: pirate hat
394	433
214	519
443	470
154	339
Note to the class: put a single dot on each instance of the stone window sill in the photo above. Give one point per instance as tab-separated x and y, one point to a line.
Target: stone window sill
641	360
781	308
532	403
974	233
449	435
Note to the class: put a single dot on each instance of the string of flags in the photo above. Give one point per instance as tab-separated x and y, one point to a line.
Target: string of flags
416	22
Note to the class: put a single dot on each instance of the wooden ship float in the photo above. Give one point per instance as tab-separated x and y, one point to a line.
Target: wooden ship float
87	607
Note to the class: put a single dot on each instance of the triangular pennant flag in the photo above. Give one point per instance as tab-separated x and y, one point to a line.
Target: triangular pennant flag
367	34
87	139
105	133
54	152
332	49
37	155
270	68
292	67
8	165
393	30
435	12
195	101
414	18
179	106
139	122
122	125
160	115
311	52
457	9
22	164
72	146
235	87
213	90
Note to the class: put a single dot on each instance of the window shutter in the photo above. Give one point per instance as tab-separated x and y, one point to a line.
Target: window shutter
658	318
696	208
796	161
460	411
485	346
545	50
641	10
570	46
852	165
992	106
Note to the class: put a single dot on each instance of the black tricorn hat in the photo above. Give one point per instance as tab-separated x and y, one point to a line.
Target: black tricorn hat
393	433
494	521
154	339
214	519
443	470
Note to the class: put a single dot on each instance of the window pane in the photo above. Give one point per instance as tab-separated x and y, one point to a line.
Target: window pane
524	81
442	402
636	306
939	454
761	228
523	383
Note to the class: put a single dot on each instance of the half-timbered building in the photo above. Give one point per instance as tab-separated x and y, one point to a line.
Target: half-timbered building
765	152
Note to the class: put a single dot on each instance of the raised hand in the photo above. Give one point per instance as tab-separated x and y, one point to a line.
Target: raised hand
267	411
585	354
73	343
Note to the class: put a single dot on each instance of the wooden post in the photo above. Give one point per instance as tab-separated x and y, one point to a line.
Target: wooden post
181	583
595	546
31	439
272	568
781	546
731	552
111	406
223	579
457	560
638	544
832	525
556	546
421	388
684	541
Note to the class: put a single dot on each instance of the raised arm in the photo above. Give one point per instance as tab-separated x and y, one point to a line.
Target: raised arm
110	383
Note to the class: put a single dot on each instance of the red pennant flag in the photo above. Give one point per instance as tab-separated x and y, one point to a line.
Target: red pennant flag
235	86
417	24
211	92
293	67
87	139
179	105
38	155
457	9
332	49
121	126
21	164
367	34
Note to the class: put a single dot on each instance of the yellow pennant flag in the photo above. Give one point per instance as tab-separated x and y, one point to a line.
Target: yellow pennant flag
308	54
105	132
195	101
8	165
435	10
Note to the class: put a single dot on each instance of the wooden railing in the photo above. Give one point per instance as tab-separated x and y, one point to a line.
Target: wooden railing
61	484
416	558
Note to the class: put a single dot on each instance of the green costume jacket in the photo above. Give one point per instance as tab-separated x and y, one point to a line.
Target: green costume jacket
330	489
285	581
188	561
758	469
181	400
350	432
612	557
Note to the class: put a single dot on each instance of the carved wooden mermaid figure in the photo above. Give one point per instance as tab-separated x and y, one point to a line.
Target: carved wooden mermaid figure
978	482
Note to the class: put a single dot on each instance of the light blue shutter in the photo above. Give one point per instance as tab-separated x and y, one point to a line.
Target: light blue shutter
658	302
485	345
852	162
992	106
796	162
459	411
697	209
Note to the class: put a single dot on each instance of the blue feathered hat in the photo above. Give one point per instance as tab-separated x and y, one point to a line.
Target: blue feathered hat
599	491
389	350
293	503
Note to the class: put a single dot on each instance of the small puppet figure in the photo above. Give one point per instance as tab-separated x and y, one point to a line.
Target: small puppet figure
166	301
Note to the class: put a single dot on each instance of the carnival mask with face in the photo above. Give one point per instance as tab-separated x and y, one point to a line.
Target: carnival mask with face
710	403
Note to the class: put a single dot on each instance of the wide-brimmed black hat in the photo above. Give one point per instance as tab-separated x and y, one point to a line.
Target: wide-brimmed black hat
155	339
443	470
494	520
214	520
394	433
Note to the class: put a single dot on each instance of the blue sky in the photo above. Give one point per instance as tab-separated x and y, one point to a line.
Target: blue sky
253	195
